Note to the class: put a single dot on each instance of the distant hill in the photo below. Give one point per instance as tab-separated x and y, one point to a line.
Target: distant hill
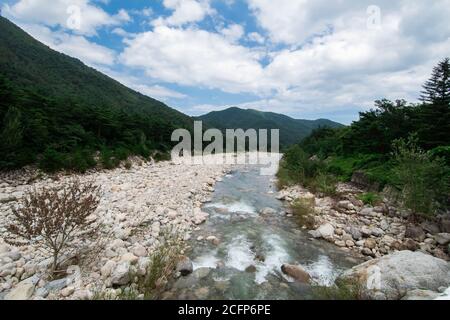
291	130
54	105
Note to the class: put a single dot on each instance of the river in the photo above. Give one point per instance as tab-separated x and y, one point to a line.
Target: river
246	264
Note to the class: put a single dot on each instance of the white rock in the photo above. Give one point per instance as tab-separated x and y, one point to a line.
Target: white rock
107	269
326	230
139	250
121	274
23	291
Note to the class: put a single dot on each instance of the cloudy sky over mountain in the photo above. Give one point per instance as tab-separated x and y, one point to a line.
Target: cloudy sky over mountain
308	59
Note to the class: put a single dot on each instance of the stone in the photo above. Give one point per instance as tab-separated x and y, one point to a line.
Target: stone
438	253
384	225
377	232
67	291
326	230
356	234
366	212
349	243
56	285
268	211
368	252
296	272
250	269
442	238
340	243
410	244
345	204
107	268
401	272
129	257
366	231
139	250
42	292
415	233
370	243
315	234
421	295
214	240
23	291
200	217
185	266
121	274
202	293
445	225
430	227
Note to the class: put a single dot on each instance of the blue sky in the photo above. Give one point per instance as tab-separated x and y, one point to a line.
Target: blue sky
307	59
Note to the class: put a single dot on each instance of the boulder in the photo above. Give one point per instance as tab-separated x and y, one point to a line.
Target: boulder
370	243
415	233
185	266
356	234
326	230
442	238
296	272
394	275
366	212
445	225
430	227
107	268
23	291
121	274
411	245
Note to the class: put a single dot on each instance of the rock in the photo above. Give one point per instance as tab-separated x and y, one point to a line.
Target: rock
356	234
56	285
67	291
250	269
399	273
349	243
200	217
213	240
42	292
139	250
129	257
368	252
326	230
268	211
340	243
121	274
370	243
185	266
430	227
82	295
107	269
366	212
377	232
445	225
442	238
415	233
384	225
296	272
23	291
411	245
202	293
421	295
315	234
172	214
366	231
345	204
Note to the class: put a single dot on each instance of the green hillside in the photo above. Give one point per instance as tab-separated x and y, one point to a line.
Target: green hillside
58	111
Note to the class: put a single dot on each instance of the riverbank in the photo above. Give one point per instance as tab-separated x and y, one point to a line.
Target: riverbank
137	205
365	230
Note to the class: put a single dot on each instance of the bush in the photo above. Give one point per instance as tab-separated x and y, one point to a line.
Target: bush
161	156
341	290
52	160
303	210
323	183
423	181
53	217
370	198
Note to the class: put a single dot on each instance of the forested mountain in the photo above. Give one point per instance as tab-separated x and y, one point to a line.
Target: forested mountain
291	130
58	111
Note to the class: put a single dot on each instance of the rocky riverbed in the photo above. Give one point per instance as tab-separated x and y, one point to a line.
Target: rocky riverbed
136	206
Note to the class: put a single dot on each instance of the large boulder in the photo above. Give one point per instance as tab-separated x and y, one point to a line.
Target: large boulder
326	230
296	272
415	233
442	238
394	275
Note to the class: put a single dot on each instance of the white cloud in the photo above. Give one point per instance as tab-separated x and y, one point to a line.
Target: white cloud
233	32
195	58
80	16
184	11
73	45
256	37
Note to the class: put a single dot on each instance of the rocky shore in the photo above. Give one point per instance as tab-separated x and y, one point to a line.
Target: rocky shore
136	206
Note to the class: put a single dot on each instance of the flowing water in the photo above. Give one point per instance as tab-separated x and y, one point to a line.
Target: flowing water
253	246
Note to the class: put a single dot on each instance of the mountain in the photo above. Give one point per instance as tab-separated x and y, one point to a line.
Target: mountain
54	105
291	130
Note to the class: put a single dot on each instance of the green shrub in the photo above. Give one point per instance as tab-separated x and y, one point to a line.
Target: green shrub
341	290
324	183
423	181
52	160
370	198
303	211
161	156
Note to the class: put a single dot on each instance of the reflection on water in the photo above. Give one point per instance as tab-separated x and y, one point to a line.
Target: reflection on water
253	246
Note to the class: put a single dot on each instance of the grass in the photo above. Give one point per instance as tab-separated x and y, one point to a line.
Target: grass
341	290
370	198
303	211
323	183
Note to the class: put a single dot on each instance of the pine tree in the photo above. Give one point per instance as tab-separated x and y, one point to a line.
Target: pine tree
437	89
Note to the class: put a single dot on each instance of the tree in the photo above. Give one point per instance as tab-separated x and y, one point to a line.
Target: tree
437	88
52	218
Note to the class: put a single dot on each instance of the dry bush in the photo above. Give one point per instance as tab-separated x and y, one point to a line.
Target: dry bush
303	211
52	218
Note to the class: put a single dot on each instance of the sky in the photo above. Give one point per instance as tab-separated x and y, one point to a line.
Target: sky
308	59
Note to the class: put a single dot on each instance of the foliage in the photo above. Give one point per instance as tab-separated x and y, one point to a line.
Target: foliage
370	198
303	211
53	217
425	182
341	290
